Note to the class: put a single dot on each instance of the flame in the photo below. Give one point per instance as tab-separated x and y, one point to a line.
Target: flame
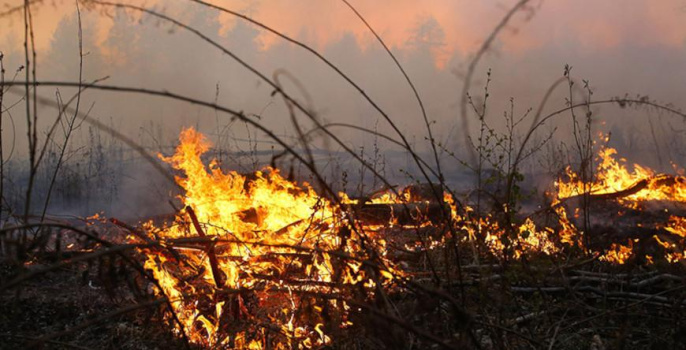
613	180
612	176
524	239
677	226
618	253
275	244
257	261
676	247
630	188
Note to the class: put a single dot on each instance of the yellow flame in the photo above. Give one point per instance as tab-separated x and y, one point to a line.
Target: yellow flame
279	241
261	230
612	176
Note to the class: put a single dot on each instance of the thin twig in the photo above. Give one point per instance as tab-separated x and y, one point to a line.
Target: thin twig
71	121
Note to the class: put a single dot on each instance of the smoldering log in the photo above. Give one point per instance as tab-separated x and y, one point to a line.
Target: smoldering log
414	193
423	192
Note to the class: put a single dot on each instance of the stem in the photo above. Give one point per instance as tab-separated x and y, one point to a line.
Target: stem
70	122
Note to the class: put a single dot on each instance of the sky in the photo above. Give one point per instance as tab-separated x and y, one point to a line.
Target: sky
635	47
592	25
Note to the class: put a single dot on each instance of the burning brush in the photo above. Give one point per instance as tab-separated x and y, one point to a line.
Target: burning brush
261	262
650	196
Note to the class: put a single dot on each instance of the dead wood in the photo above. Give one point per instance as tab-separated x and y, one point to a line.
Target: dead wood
662	180
214	265
131	230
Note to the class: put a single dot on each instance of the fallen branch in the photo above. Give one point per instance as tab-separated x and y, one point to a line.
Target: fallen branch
214	265
662	180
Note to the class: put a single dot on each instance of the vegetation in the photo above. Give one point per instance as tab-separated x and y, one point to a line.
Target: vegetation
494	262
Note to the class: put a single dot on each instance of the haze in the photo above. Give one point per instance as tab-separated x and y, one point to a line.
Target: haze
635	47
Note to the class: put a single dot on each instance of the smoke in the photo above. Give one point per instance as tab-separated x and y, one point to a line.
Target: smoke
639	49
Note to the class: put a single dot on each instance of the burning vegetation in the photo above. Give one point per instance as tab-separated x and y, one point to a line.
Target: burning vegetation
261	262
258	260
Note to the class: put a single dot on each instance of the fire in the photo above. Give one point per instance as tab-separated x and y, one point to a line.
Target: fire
612	176
526	238
630	188
264	249
612	181
258	261
618	253
677	226
675	248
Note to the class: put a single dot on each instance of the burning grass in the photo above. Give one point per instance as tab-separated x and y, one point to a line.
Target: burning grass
279	262
257	261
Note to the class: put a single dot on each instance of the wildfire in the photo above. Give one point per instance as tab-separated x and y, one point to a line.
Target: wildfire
612	176
259	249
261	262
612	180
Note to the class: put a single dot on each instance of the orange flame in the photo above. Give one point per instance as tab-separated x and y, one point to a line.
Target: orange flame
612	179
275	244
265	243
630	188
612	176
